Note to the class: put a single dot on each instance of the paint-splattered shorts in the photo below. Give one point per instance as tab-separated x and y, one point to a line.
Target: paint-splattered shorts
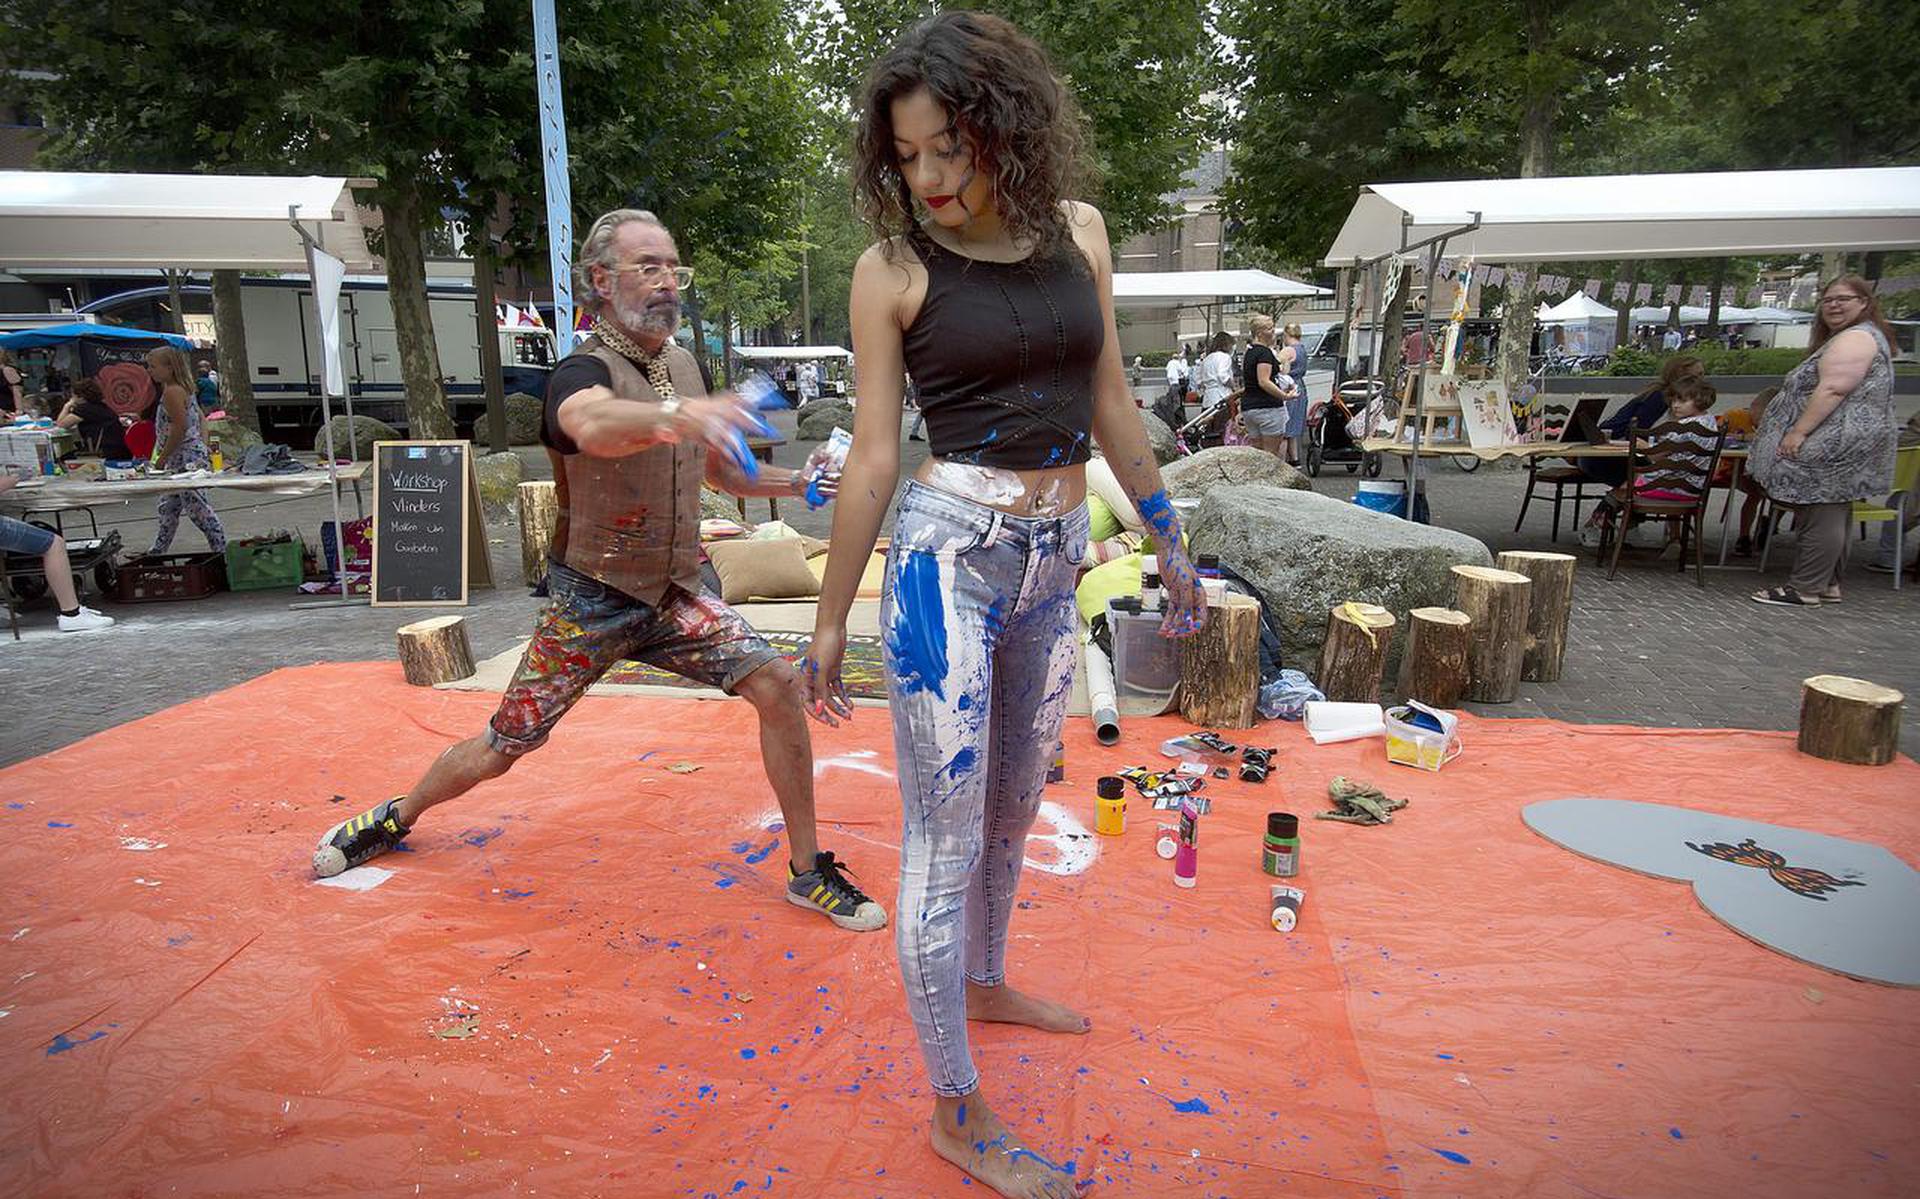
980	633
589	626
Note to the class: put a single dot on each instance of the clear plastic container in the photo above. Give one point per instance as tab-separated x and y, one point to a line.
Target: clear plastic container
1146	666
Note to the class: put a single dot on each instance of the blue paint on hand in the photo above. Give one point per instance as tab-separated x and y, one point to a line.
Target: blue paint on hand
1157	511
1194	1106
1458	1159
917	636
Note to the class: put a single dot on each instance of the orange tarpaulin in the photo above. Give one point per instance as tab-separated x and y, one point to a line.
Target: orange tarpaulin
583	980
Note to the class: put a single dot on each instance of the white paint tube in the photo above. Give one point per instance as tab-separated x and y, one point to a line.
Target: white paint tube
1100	696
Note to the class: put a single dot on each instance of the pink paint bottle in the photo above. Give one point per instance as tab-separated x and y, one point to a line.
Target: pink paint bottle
1186	858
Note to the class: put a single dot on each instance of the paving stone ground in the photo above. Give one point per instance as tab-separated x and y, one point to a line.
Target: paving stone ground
1647	648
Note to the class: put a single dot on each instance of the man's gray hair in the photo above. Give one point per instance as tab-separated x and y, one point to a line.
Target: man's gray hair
597	249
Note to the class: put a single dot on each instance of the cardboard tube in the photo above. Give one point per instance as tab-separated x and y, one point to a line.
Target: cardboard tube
1100	696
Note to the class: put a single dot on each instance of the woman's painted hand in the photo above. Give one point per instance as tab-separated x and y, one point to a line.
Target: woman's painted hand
1186	599
822	690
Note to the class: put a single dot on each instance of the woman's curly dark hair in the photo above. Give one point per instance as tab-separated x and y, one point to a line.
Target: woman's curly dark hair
1007	104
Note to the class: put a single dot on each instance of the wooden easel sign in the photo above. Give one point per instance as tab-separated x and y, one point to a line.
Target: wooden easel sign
428	542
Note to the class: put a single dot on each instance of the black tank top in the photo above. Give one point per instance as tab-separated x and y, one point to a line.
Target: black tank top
1003	354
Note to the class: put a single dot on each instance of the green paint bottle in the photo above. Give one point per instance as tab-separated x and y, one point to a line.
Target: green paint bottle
1280	854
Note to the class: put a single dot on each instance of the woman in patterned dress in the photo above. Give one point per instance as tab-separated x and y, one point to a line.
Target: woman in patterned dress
182	445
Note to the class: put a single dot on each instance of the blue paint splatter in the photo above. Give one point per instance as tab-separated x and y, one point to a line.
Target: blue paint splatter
177	942
18	807
740	847
747	1054
1445	1057
648	754
917	636
962	762
61	1044
1157	511
760	855
963	1115
963	704
1194	1106
480	836
738	1187
1676	1134
723	882
510	893
705	1090
58	824
1458	1159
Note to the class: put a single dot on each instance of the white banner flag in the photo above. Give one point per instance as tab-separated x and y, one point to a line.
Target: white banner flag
1592	289
328	273
1620	290
1673	293
1642	293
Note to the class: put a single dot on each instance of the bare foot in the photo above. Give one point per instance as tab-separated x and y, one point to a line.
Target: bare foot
1004	1005
970	1136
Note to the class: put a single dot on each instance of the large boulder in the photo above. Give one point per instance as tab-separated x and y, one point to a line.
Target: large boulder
1166	447
365	431
500	476
234	438
523	419
819	419
1308	553
1228	465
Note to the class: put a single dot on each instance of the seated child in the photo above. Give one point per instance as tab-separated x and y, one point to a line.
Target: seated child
1688	404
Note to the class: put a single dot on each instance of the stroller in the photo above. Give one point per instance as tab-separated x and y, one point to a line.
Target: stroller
1358	404
1209	428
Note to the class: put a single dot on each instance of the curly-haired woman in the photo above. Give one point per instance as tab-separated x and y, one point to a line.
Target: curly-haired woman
183	446
995	291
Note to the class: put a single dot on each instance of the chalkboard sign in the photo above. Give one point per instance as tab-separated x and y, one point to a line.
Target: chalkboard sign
428	543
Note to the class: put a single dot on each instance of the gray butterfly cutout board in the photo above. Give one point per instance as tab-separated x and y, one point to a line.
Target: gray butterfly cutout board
1845	906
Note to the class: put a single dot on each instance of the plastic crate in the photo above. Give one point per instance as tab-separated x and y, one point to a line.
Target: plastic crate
159	577
261	566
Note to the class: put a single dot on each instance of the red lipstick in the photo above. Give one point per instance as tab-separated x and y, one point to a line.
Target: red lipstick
938	201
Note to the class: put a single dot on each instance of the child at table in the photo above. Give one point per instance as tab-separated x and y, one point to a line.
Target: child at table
1688	405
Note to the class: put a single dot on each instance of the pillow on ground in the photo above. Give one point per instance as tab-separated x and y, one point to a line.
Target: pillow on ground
1101	522
762	570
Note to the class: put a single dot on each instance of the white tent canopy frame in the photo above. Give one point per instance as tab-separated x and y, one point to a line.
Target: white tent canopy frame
1192	289
790	353
1695	215
1700	215
189	222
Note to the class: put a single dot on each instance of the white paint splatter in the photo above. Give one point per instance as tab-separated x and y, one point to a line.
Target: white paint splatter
360	878
141	844
861	760
1074	848
601	1060
147	882
23	932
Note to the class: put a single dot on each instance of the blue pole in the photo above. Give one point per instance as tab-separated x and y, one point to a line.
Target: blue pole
553	157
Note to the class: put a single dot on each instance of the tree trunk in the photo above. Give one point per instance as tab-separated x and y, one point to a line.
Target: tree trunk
1355	651
1497	601
1548	610
1713	297
427	415
1849	720
539	513
1623	321
726	343
230	341
1433	666
1392	321
691	306
1220	667
435	650
1875	263
1833	264
487	327
176	301
1536	159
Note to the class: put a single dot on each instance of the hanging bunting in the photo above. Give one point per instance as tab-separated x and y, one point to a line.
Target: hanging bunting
1642	293
1697	296
1496	275
1673	293
1620	291
1592	289
1754	296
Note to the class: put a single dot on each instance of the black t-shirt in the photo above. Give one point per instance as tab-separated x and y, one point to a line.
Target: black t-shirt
101	431
1257	396
576	372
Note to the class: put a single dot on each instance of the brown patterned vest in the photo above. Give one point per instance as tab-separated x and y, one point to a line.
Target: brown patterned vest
634	522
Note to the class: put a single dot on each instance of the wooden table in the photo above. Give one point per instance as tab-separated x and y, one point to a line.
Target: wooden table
762	449
65	494
1737	455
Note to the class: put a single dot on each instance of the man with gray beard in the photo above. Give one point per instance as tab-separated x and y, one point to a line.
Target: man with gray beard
632	435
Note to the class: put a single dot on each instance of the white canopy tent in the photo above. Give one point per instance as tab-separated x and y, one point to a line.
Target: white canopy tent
1692	314
1580	324
192	222
1185	289
1703	215
177	222
790	353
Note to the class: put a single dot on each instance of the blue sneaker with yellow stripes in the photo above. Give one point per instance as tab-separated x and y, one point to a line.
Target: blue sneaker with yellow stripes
827	890
352	842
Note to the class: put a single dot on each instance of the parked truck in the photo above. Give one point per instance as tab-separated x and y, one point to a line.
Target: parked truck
283	351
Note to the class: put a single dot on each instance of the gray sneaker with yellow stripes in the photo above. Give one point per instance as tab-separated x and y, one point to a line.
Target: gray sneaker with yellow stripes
827	890
351	842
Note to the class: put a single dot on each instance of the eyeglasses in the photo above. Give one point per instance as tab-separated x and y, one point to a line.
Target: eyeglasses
655	274
1843	298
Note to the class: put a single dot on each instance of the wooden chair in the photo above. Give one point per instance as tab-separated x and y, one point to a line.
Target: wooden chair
1554	419
1667	458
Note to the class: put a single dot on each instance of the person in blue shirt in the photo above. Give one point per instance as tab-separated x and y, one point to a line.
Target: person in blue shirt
1643	411
206	385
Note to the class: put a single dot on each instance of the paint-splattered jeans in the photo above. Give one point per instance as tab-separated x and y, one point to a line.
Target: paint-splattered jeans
979	629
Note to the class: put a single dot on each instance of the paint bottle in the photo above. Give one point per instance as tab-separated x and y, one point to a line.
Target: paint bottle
1150	593
1284	908
1110	806
1186	858
1166	842
1207	566
1057	772
1280	854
